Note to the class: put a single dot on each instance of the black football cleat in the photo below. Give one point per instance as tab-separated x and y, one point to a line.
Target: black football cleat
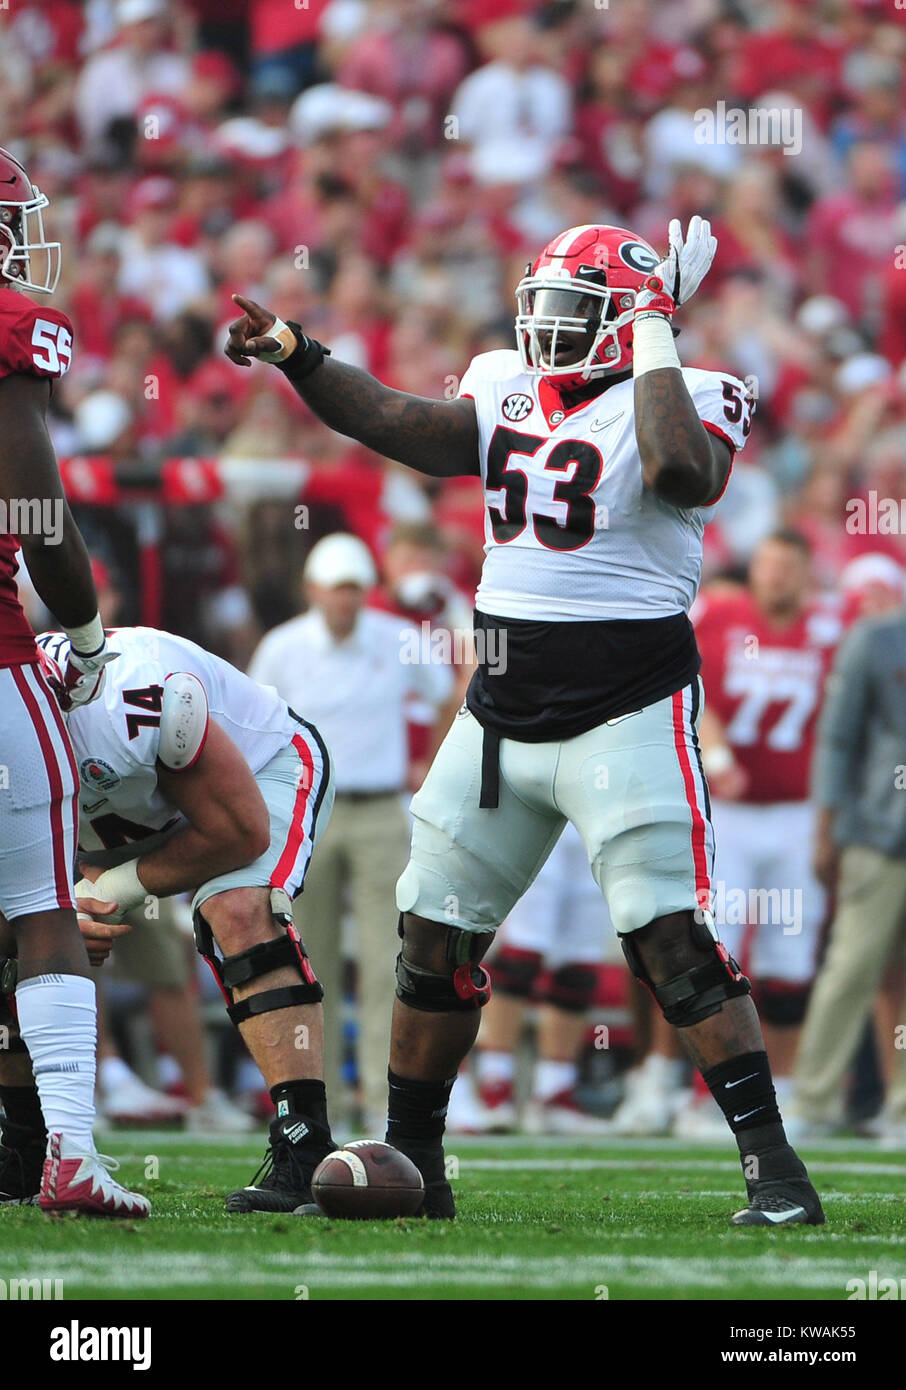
438	1204
792	1203
782	1194
22	1152
283	1182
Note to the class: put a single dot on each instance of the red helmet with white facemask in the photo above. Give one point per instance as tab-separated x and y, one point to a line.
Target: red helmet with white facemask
575	304
22	231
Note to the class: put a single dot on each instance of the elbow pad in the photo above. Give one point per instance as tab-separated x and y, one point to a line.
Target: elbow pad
183	721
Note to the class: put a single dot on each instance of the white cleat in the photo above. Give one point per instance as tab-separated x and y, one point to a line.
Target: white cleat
80	1181
562	1115
652	1092
132	1102
218	1115
702	1118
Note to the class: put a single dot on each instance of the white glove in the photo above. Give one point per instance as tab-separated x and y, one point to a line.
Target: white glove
83	678
687	263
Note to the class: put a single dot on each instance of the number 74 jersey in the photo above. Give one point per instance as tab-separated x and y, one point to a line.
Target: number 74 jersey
571	532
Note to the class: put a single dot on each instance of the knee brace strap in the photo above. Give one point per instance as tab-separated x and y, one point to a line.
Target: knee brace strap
269	1000
784	1005
467	987
261	959
694	994
515	971
8	1016
572	987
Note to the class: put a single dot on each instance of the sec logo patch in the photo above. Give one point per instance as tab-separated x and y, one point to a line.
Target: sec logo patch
517	406
96	773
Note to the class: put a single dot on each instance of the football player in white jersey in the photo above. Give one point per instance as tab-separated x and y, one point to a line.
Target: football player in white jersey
195	778
598	452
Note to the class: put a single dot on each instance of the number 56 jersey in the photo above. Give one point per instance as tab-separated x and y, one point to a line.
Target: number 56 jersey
571	532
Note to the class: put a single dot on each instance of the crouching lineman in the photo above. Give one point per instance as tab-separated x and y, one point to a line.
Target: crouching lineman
597	451
195	778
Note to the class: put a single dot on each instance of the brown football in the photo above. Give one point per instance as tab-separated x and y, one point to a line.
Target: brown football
367	1181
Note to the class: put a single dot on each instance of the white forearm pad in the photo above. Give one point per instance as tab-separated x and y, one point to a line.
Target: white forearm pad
89	639
287	339
652	344
183	721
120	885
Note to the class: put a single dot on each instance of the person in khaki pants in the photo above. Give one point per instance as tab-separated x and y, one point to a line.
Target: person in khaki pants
859	782
352	670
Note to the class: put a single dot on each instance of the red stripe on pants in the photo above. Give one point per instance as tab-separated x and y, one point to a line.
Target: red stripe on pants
62	882
297	828
699	852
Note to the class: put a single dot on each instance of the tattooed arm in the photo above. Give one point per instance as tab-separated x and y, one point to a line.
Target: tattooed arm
435	437
681	461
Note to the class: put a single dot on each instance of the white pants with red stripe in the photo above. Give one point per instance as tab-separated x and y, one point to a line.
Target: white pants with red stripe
632	787
298	789
38	805
562	916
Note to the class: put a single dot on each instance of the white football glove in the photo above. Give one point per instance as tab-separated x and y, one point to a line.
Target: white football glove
83	678
687	262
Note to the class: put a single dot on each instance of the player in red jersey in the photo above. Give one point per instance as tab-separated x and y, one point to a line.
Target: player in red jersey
55	997
766	653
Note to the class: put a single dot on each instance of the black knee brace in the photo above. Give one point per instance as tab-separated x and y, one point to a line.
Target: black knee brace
515	971
781	1004
697	993
572	987
230	971
466	987
12	1041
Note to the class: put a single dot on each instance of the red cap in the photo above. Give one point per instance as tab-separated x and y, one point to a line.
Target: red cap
215	378
156	191
217	67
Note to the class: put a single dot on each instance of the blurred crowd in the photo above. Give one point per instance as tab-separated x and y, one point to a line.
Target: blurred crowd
381	171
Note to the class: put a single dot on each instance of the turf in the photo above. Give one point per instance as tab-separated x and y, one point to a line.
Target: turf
578	1220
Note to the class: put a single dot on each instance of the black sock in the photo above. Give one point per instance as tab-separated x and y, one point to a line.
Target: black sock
417	1111
744	1091
308	1098
21	1106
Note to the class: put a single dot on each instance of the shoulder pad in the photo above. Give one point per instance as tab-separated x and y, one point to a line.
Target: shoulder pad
183	721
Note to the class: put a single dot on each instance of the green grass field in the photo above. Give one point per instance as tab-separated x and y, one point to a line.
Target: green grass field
538	1220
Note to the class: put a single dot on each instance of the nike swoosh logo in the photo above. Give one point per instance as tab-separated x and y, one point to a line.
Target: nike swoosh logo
737	1118
620	717
728	1085
775	1217
602	424
12	180
94	805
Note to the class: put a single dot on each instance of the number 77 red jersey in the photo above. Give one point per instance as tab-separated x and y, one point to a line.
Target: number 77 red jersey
35	340
765	683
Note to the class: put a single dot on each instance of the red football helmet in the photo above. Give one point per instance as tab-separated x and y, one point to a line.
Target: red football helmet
22	230
575	304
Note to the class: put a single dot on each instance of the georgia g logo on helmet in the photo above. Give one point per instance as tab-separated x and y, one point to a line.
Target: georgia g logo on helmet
575	304
22	231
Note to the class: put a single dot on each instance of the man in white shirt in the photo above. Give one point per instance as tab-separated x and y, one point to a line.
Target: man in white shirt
352	668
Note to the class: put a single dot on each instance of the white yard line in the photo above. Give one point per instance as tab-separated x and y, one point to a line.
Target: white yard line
321	1271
